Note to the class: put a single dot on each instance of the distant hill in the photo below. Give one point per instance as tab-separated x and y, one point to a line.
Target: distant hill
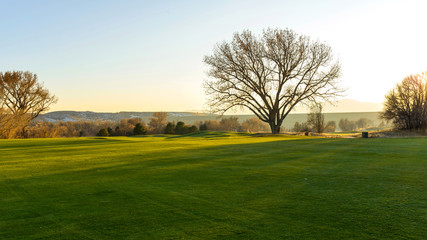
290	120
351	105
190	118
345	105
91	116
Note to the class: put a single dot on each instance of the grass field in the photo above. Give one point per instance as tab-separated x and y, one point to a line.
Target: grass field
213	186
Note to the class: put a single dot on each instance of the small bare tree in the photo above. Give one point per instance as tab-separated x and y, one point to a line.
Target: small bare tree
24	97
347	125
406	104
254	125
363	123
301	127
316	119
158	122
270	74
229	124
330	126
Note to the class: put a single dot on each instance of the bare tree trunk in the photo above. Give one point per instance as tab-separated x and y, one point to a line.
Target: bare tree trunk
275	128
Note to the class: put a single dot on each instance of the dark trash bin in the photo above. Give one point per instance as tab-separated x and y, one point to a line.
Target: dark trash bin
365	135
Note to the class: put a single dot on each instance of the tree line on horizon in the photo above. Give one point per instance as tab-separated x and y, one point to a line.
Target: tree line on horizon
158	124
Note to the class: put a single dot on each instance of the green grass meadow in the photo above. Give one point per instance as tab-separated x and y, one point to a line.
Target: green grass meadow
213	186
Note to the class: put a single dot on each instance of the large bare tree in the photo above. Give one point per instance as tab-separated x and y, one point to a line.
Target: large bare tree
406	104
23	97
270	74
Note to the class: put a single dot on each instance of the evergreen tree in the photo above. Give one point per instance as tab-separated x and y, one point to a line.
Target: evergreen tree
139	129
193	129
110	131
103	133
181	128
170	128
203	127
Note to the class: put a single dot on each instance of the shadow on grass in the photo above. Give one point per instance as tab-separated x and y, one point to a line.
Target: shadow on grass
262	153
226	134
60	142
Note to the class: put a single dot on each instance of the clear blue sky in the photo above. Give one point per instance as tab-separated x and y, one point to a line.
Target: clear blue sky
147	55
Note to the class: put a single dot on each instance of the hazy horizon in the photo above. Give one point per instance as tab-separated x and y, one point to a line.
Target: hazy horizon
110	56
341	107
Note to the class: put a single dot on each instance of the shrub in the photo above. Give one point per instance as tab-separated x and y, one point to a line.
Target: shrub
212	125
110	131
363	123
330	126
346	125
103	133
301	127
41	129
180	128
254	125
193	129
170	128
229	124
203	127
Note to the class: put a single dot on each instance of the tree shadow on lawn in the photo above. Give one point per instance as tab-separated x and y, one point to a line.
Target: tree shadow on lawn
225	134
235	155
21	144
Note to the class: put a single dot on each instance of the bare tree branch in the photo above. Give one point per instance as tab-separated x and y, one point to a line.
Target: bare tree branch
270	74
